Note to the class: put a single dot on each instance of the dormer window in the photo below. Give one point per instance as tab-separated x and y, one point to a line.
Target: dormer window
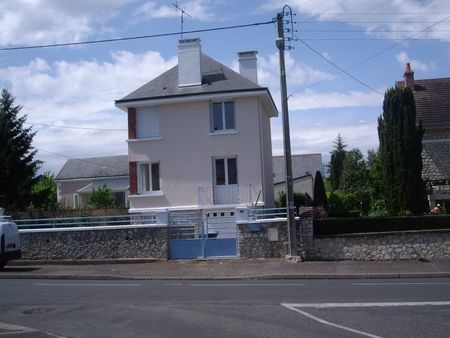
222	117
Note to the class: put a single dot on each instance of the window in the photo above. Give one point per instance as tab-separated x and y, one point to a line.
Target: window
147	122
148	175
222	116
225	171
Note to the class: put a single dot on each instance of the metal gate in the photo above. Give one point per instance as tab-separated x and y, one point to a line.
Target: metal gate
193	235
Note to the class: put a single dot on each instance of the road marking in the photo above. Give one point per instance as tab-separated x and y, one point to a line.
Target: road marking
322	321
235	285
87	285
375	304
400	283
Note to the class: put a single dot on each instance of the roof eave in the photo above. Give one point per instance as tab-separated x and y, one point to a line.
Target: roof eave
124	104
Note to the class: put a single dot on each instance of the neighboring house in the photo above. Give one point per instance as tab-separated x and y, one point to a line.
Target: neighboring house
432	98
304	168
199	135
79	176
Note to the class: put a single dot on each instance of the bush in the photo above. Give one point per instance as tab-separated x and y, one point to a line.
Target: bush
300	200
336	226
102	197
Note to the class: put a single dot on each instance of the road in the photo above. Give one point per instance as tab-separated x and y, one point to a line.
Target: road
275	308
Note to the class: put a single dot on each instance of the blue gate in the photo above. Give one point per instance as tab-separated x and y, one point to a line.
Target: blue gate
194	236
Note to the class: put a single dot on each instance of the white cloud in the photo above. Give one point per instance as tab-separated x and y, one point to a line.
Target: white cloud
53	21
197	9
80	94
403	58
400	19
310	99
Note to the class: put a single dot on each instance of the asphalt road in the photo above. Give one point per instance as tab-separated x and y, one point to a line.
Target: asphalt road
276	308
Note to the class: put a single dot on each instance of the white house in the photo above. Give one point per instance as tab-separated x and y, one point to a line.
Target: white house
199	136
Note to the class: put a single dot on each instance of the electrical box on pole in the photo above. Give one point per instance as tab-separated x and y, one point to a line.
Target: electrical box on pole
292	232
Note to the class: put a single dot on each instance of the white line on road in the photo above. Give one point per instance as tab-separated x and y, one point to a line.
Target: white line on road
322	321
375	304
400	283
237	285
87	285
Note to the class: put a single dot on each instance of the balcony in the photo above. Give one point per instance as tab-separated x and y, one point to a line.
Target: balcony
225	194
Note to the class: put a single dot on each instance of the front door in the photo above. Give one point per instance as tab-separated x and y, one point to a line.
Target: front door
226	189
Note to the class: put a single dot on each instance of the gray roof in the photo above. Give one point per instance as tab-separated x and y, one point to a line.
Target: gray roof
217	78
302	165
93	167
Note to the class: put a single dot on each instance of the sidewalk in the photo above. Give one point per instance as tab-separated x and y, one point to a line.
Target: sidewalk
225	269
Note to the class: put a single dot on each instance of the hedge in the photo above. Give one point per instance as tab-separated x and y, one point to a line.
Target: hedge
336	226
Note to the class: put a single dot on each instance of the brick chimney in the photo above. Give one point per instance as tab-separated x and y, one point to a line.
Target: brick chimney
409	77
247	65
189	62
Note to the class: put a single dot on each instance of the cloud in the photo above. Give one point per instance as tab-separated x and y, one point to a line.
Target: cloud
388	19
50	21
311	99
403	58
197	10
82	94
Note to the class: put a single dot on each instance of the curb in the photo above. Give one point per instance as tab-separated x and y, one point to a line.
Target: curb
254	277
28	262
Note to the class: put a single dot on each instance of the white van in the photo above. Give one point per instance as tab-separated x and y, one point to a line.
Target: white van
9	240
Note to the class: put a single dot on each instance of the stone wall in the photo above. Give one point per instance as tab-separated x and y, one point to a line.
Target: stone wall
384	246
149	242
270	239
263	240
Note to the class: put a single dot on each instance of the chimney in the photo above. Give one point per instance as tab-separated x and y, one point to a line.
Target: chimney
409	77
189	62
247	65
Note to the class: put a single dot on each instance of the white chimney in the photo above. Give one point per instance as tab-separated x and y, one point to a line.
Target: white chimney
189	62
247	65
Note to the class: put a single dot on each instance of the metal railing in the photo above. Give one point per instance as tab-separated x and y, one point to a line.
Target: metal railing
268	213
86	221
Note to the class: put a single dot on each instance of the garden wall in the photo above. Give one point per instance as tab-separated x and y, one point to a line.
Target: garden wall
425	244
73	243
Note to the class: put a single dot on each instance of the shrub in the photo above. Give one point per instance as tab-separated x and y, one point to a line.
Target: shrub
102	197
336	226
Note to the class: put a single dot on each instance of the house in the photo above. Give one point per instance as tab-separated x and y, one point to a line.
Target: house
80	176
304	168
199	135
432	98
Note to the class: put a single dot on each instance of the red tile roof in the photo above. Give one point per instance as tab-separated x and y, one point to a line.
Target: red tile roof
432	101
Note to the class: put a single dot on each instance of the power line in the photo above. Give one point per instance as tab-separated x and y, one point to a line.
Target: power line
137	37
74	127
336	66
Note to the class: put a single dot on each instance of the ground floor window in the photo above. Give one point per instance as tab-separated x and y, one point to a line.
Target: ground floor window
148	177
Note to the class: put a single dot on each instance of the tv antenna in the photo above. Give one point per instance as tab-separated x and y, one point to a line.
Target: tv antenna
183	13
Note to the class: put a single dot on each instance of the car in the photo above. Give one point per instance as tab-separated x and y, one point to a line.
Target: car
10	247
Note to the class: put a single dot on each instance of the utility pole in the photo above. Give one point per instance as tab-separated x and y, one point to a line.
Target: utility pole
292	233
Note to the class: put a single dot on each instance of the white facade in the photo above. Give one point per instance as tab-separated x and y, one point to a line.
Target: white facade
201	167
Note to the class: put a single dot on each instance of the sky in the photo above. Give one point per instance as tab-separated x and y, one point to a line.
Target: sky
347	54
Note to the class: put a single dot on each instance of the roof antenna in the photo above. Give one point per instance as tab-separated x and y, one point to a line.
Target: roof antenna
183	13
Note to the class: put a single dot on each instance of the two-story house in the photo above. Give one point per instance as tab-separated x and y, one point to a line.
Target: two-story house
199	136
432	98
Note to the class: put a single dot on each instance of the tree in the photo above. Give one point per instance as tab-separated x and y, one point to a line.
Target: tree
320	196
401	153
18	166
355	179
102	197
377	205
44	193
337	162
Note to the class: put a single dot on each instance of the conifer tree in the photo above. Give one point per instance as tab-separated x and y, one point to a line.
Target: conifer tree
320	196
401	153
18	167
337	162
